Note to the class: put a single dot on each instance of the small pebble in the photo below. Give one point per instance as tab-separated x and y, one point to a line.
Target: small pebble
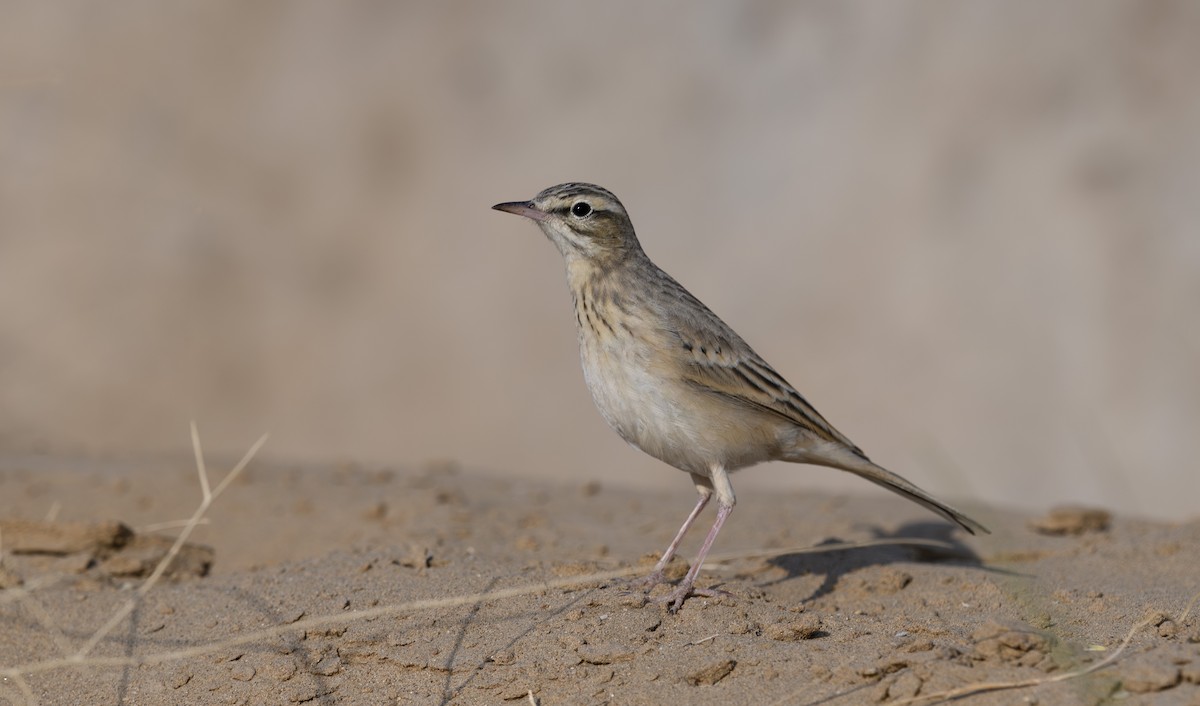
711	674
242	672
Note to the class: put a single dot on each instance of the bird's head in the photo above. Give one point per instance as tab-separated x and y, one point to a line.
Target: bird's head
583	220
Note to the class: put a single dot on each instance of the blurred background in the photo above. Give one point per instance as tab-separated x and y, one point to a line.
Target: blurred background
969	232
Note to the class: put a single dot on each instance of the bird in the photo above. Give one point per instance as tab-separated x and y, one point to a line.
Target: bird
675	381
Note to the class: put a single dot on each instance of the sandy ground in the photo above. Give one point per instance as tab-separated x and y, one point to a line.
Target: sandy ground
322	585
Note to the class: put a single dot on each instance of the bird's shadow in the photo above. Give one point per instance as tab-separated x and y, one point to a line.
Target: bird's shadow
837	562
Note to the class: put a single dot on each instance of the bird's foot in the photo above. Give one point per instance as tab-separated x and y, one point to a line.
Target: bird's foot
672	570
685	590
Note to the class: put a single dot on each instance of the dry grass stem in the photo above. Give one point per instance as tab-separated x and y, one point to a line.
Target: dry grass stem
172	524
18	593
31	604
208	497
982	687
1188	611
80	658
199	452
23	686
317	622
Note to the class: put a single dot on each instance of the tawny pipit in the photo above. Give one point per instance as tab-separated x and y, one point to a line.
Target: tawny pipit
674	380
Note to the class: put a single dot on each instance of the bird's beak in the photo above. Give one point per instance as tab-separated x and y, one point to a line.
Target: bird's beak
522	208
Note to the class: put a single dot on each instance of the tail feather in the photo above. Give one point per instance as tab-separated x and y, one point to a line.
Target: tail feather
881	476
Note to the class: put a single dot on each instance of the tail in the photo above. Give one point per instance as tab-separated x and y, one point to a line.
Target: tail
861	466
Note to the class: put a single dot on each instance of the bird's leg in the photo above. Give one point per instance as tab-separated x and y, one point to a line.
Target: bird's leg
725	502
704	488
687	586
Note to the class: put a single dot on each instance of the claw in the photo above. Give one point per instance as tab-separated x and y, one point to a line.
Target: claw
685	590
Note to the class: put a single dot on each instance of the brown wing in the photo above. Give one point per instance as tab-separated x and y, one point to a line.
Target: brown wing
725	365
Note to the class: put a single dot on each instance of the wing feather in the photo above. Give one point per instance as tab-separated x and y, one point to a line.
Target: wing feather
721	363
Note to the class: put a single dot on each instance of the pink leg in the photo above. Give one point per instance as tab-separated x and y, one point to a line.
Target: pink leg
686	587
656	577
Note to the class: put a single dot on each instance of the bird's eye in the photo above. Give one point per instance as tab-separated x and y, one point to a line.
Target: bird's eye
581	209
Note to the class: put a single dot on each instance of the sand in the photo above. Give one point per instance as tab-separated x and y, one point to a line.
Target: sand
356	585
